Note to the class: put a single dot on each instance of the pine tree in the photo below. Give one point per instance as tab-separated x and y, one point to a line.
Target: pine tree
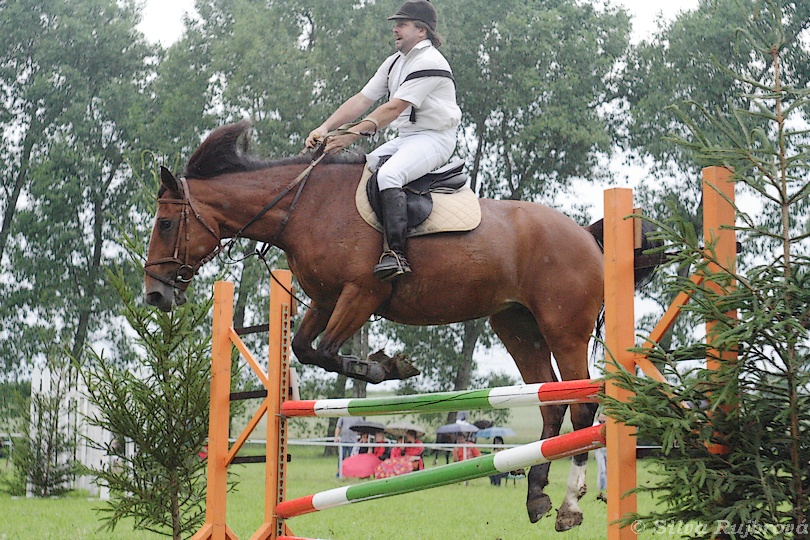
157	407
43	458
757	405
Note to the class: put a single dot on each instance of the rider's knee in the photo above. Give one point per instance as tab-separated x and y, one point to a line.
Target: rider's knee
390	179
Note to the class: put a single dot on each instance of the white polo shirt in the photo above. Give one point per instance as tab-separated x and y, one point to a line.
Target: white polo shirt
433	97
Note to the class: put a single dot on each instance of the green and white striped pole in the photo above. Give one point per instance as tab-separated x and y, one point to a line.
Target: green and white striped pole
551	393
570	444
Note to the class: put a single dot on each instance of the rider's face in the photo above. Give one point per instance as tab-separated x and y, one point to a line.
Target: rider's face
406	35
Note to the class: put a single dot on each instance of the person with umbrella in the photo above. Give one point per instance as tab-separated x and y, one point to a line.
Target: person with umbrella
496	479
380	450
403	459
414	453
364	459
466	450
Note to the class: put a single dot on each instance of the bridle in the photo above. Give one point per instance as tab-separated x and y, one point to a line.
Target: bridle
185	271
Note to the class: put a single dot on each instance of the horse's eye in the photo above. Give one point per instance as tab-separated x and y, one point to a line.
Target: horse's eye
165	225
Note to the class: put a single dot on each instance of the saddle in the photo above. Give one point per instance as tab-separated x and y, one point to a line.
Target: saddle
440	201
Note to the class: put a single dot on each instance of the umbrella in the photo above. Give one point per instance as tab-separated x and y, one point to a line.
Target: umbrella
365	426
457	427
360	466
495	431
398	429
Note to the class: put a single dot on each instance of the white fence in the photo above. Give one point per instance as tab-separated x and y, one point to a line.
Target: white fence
74	410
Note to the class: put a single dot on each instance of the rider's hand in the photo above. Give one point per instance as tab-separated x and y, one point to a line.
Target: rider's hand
336	143
316	136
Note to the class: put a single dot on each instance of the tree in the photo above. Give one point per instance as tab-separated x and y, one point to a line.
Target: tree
72	73
535	80
691	47
757	404
43	458
158	403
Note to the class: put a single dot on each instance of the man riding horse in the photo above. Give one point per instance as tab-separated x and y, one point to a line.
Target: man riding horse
422	107
533	271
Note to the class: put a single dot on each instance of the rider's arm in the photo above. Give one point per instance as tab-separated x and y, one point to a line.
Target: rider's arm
383	115
348	111
380	117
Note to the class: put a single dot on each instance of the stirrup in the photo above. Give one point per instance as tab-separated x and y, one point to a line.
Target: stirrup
391	266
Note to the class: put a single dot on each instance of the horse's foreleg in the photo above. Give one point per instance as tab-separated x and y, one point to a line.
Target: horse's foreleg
354	307
313	323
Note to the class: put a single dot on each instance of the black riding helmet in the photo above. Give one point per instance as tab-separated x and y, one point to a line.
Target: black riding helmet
417	10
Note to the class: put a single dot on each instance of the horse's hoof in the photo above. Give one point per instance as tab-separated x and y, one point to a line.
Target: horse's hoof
566	519
396	368
371	372
538	507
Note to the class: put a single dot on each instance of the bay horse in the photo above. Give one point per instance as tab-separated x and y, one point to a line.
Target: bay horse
534	272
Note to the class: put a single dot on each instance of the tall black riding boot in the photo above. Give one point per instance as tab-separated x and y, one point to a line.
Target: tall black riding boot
395	224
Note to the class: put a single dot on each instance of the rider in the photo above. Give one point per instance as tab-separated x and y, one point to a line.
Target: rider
422	108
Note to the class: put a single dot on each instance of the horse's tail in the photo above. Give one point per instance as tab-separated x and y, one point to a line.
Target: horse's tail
644	267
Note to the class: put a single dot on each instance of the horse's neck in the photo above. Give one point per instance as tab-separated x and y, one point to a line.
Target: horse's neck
235	199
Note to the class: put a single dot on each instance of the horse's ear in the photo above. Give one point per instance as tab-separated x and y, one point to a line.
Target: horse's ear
168	180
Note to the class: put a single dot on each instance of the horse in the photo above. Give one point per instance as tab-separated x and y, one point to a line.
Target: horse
536	273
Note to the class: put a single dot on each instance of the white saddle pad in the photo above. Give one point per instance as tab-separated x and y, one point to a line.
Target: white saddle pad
452	212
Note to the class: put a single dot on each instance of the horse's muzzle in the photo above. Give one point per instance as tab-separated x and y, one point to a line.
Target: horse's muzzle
165	300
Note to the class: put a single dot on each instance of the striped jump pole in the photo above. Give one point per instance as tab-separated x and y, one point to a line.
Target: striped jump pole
551	393
570	444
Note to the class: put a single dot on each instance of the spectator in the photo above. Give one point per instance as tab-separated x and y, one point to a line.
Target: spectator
414	452
496	479
346	437
362	446
466	451
381	451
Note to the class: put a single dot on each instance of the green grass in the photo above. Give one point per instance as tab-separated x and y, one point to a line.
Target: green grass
473	511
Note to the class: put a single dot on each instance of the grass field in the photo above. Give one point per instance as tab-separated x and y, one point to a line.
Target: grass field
473	511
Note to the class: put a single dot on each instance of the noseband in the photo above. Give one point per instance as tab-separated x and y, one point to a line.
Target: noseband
185	271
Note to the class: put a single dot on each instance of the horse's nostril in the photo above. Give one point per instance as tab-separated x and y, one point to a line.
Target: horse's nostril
159	301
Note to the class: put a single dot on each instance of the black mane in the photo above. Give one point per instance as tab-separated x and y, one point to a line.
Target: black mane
220	153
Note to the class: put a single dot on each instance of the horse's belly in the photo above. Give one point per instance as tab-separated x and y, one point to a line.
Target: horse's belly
442	303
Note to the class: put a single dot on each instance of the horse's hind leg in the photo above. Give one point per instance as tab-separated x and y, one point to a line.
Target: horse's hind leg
521	336
572	360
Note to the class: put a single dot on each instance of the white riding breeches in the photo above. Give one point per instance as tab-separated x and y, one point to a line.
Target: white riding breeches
413	155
